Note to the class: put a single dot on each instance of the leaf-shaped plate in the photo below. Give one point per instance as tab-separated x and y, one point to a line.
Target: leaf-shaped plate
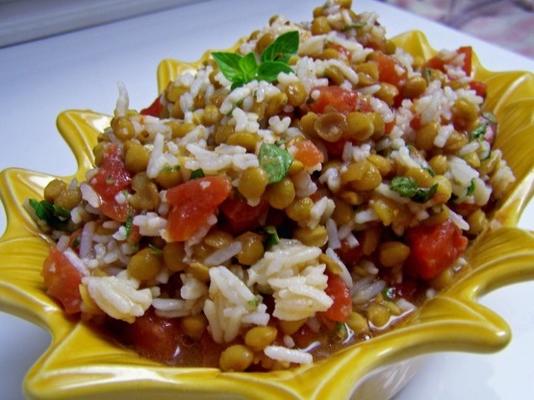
80	363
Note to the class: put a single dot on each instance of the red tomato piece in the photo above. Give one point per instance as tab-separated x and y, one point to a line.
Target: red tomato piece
415	123
388	70
154	109
110	179
62	281
155	337
335	149
193	202
304	337
479	87
434	248
467	51
406	289
349	255
335	97
436	63
308	154
241	217
338	291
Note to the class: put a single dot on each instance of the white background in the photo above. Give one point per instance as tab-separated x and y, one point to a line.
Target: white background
80	70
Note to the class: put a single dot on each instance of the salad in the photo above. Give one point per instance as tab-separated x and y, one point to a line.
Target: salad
304	192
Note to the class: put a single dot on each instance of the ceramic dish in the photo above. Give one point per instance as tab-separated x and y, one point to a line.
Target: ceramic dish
80	363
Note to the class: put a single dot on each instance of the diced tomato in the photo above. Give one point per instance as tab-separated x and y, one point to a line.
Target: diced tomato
308	154
436	63
434	248
467	51
388	70
406	289
338	291
335	97
304	337
479	87
62	281
349	255
241	217
155	337
192	204
210	350
110	179
335	149
154	109
388	126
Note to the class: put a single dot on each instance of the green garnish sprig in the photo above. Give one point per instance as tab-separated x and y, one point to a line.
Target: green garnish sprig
56	217
407	187
240	69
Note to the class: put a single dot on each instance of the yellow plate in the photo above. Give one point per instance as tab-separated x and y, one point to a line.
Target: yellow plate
80	363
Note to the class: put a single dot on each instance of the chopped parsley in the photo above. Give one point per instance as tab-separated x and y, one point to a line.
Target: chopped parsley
479	131
470	188
56	217
170	168
197	173
240	69
272	236
275	161
389	293
128	225
407	187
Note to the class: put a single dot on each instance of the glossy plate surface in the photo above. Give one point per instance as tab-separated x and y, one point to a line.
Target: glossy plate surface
80	363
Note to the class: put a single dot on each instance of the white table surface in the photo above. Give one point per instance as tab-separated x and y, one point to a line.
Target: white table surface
80	70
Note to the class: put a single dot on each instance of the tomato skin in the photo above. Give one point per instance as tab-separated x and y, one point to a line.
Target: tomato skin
387	70
308	154
349	255
335	97
153	109
241	217
155	337
467	51
110	179
436	63
304	336
434	248
479	87
192	204
338	291
62	281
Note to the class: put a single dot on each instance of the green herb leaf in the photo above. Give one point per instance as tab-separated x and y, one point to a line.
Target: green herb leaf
155	250
479	131
228	64
471	188
268	71
275	161
282	48
169	168
356	25
128	225
407	187
55	216
427	74
389	293
272	236
430	171
197	173
248	67
341	331
253	304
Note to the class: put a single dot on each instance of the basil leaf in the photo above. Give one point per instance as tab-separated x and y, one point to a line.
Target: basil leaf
423	195
55	216
128	225
356	25
197	173
248	66
228	64
407	187
272	236
268	71
282	48
471	188
275	161
479	131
